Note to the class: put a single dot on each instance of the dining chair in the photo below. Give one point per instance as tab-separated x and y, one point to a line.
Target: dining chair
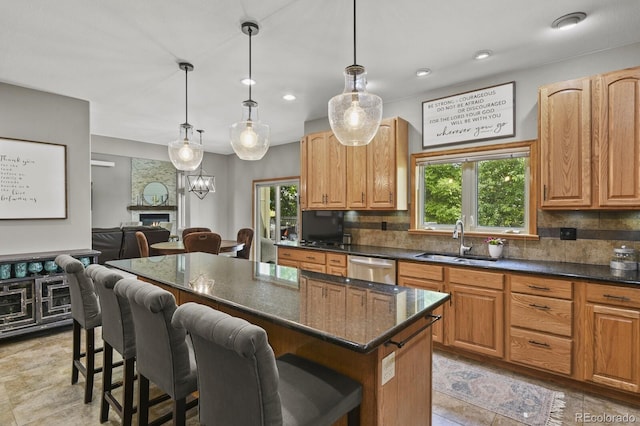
240	382
187	231
86	315
164	354
117	334
245	235
207	242
143	244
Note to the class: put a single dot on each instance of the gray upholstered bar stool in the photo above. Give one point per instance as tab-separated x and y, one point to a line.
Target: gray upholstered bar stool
241	382
164	354
85	312
118	334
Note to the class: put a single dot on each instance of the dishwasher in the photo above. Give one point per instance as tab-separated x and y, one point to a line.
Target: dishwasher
372	269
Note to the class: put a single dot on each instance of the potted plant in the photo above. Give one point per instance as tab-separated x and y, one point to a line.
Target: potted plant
495	246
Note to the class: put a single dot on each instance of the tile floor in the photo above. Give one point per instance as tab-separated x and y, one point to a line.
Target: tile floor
35	389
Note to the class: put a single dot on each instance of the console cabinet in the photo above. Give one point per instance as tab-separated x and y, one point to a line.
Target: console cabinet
39	300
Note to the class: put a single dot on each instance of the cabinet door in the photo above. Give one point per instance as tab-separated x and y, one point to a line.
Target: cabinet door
475	320
335	174
357	308
316	162
302	190
437	327
357	177
381	160
381	310
613	347
617	137
335	309
565	144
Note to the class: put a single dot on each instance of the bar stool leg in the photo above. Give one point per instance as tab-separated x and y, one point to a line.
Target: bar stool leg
91	360
179	412
76	352
143	400
127	396
107	376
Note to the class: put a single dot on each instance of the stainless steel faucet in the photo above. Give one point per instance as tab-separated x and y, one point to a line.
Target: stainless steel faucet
462	248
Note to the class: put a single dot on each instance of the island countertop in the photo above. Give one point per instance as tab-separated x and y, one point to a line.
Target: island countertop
285	296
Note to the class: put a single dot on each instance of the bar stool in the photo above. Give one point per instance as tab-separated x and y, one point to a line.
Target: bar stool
86	314
118	334
242	383
164	355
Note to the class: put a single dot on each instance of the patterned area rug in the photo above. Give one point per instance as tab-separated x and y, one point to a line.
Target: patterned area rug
521	401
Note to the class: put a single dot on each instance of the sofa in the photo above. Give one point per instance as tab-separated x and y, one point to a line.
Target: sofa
120	243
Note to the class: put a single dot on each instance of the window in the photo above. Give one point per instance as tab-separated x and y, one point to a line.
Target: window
489	188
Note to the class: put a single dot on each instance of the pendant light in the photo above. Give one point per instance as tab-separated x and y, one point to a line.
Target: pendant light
355	114
249	137
201	184
185	153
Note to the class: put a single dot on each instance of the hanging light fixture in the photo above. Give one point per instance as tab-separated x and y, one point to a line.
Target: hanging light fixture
185	153
201	184
249	137
355	114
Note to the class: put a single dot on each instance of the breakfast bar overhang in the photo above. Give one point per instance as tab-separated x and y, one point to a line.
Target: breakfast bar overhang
377	334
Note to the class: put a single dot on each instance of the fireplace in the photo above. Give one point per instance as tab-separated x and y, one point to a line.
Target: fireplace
154	218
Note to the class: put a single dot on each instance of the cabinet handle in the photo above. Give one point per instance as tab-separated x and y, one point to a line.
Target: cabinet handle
544	192
362	197
543	307
535	287
285	254
620	298
391	197
541	344
311	257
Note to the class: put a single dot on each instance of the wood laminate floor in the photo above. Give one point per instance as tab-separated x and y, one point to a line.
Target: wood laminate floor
35	389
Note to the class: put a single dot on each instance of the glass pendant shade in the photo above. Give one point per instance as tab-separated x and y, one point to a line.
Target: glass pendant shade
185	153
201	184
249	137
355	114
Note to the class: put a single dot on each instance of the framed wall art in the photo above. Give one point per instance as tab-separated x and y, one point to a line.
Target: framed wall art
33	180
482	114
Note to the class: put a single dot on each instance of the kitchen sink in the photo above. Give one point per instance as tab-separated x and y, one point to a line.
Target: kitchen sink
470	259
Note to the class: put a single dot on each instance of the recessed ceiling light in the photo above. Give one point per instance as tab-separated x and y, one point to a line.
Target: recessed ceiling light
289	97
482	54
248	82
568	21
423	72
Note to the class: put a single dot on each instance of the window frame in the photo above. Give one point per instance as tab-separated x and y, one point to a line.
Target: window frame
417	185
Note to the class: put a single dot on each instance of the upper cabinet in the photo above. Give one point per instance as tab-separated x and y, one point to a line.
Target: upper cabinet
589	132
371	177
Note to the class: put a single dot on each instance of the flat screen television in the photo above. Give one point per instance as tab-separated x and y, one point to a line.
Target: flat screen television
322	227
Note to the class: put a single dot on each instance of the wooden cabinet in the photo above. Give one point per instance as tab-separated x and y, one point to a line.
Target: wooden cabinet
612	336
475	316
616	133
336	177
540	328
337	264
326	306
377	173
564	120
313	260
325	172
428	277
589	131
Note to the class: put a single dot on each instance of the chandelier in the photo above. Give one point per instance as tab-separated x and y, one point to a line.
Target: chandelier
201	184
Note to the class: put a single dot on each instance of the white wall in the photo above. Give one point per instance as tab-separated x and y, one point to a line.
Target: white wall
45	117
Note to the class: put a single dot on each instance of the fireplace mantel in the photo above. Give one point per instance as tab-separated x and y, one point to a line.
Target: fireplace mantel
151	208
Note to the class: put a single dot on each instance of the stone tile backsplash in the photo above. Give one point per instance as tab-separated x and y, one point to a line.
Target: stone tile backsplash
598	233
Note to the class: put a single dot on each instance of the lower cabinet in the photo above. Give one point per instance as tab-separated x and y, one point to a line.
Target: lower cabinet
308	260
475	316
612	336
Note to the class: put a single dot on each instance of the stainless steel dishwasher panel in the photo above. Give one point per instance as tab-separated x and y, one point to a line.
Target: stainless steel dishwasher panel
372	269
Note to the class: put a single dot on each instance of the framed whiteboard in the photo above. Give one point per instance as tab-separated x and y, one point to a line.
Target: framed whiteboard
482	114
33	180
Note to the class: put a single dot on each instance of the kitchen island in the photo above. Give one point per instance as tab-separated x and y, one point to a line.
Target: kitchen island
377	334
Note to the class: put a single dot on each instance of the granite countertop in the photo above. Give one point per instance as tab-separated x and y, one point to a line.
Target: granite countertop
581	271
279	294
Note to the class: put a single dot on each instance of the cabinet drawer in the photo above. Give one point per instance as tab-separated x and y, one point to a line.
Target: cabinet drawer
336	270
542	313
307	256
313	267
614	295
476	278
337	260
542	286
417	270
286	262
541	350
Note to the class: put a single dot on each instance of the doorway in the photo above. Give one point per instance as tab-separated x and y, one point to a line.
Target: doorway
276	215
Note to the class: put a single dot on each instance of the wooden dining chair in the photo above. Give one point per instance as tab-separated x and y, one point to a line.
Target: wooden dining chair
143	244
188	231
245	236
207	242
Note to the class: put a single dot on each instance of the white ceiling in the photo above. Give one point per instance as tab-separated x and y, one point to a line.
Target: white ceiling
123	55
